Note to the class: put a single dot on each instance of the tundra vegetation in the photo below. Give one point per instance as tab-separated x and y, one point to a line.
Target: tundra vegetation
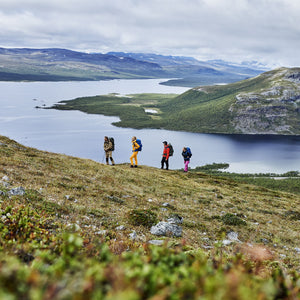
266	104
73	228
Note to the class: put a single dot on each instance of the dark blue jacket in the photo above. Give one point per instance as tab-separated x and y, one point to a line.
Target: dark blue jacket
186	155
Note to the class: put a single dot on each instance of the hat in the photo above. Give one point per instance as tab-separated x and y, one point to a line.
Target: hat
165	142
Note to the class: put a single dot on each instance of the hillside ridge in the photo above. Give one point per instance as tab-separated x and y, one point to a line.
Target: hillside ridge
68	222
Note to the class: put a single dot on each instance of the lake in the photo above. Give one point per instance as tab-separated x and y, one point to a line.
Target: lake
79	134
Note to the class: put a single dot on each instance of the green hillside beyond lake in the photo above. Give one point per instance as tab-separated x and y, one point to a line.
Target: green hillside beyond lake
266	104
73	228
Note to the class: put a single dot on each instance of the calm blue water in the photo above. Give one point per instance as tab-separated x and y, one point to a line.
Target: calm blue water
79	134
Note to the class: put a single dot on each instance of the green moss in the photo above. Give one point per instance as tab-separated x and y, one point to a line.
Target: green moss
144	217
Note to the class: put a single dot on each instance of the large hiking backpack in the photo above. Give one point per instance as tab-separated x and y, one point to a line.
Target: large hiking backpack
112	140
188	150
171	152
139	142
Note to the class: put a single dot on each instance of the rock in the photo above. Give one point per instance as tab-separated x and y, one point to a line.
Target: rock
265	241
5	178
156	242
2	193
233	236
19	191
133	236
297	250
227	242
101	232
122	227
166	229
166	204
175	219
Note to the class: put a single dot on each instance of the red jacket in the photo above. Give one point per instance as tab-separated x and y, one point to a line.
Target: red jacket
166	152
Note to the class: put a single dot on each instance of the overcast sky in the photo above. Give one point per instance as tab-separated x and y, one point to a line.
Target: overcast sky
235	30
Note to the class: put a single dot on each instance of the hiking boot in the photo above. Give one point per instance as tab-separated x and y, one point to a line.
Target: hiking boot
131	166
135	166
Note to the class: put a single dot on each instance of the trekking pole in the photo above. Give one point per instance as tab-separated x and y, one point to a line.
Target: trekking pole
103	157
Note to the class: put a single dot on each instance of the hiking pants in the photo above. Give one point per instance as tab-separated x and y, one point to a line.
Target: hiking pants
134	156
186	165
108	154
165	161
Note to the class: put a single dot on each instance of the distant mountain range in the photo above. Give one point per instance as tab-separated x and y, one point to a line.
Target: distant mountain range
62	64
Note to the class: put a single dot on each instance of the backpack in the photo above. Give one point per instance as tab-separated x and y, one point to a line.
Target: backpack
171	152
139	142
111	139
188	150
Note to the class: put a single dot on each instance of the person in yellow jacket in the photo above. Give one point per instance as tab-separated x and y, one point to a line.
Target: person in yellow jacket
135	147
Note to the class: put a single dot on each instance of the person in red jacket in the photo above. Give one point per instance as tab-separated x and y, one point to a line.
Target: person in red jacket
165	156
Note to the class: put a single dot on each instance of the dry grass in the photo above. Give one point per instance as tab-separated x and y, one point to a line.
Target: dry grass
99	197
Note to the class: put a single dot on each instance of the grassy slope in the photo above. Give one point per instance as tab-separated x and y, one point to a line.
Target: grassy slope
66	190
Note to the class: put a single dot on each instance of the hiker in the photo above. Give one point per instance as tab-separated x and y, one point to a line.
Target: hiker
108	148
165	156
187	154
135	148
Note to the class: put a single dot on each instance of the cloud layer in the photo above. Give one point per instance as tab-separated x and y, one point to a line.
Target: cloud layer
235	30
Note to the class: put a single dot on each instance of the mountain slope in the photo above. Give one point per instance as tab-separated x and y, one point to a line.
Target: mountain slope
266	104
72	228
62	64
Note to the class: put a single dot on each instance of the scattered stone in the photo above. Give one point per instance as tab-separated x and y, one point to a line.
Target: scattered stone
163	209
101	232
166	204
207	247
5	178
150	200
156	242
4	183
175	219
121	227
265	241
166	229
19	191
233	236
74	227
2	193
297	250
133	236
227	242
269	222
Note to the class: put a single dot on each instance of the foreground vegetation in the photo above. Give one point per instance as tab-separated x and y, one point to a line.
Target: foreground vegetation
69	234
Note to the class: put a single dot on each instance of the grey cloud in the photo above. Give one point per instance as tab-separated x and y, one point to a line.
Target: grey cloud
266	30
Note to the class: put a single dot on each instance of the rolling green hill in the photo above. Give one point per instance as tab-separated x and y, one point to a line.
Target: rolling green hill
266	104
73	228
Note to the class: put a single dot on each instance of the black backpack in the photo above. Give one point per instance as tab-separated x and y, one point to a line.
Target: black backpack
171	152
111	139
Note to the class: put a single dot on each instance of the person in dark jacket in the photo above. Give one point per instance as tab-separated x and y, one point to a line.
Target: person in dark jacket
165	156
108	150
187	154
